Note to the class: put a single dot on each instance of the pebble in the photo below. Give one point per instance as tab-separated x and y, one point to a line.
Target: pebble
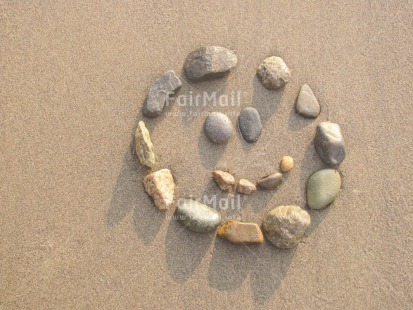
273	73
271	182
225	180
160	186
329	143
322	188
209	62
218	127
246	187
286	164
307	104
144	146
284	226
241	233
249	123
197	216
160	92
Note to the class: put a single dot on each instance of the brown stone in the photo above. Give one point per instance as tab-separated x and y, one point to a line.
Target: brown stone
160	186
246	187
271	182
241	233
225	180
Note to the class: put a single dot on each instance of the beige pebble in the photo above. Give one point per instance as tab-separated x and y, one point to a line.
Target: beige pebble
160	186
286	164
225	180
246	187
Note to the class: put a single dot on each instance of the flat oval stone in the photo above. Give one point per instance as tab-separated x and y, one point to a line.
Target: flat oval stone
329	143
160	92
273	73
209	62
271	182
307	104
218	127
284	226
196	216
322	188
249	123
241	233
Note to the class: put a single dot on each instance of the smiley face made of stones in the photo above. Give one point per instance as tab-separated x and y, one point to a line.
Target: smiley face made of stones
284	226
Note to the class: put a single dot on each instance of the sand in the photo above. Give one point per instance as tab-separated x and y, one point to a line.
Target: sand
78	230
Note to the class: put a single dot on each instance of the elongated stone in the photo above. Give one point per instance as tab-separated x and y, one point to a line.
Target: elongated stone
241	233
271	182
249	123
209	62
144	146
159	93
307	104
160	186
322	188
273	73
284	226
197	216
225	180
329	143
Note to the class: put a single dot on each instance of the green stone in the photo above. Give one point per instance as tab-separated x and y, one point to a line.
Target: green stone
322	188
197	216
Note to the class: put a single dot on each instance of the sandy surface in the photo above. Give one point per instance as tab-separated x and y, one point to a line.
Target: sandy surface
78	230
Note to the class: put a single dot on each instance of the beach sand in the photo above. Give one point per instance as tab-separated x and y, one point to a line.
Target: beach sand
78	229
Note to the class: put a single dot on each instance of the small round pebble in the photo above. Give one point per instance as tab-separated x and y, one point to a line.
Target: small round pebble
249	123
218	127
286	164
273	73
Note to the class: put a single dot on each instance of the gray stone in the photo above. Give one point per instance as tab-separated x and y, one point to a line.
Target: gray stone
273	73
271	182
322	188
329	143
196	216
160	92
307	104
209	62
249	123
284	226
218	127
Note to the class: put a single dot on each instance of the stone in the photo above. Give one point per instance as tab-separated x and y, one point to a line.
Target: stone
218	127
160	186
246	187
322	188
241	233
144	146
209	62
286	164
273	73
307	104
271	182
225	180
284	226
197	216
329	143
249	123
160	92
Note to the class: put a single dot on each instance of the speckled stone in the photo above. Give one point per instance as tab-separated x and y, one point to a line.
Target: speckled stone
329	143
307	104
160	92
246	187
160	186
218	127
209	62
144	146
249	123
322	188
241	233
197	216
270	182
273	73
225	180
284	226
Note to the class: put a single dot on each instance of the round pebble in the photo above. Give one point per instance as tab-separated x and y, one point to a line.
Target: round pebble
286	164
218	127
273	73
249	123
322	188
